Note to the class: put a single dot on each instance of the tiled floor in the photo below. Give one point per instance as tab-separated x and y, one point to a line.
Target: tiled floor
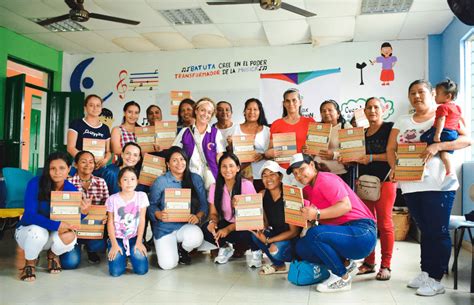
206	283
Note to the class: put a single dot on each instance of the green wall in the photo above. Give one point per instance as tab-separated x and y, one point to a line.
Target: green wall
17	46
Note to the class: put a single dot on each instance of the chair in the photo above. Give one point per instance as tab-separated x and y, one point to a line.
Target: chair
459	223
16	180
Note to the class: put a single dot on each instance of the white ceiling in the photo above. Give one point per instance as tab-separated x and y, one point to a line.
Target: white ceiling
233	25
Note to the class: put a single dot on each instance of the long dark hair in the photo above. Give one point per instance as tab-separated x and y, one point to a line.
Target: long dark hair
291	90
137	166
220	182
80	154
123	171
262	119
45	182
338	110
187	182
125	107
188	101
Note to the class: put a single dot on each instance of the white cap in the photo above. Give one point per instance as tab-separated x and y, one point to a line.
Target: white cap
271	165
296	161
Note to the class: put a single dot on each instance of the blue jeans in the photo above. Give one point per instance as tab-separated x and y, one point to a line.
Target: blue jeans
331	245
119	264
285	249
72	259
431	211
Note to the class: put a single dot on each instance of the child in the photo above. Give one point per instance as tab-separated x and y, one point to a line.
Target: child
447	122
387	61
126	223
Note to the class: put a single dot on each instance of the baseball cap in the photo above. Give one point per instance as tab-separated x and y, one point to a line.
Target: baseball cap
296	161
271	165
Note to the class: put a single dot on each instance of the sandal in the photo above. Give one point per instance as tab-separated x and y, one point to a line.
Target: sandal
366	268
28	273
270	269
54	266
384	274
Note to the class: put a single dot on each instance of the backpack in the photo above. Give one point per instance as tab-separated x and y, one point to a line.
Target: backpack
304	273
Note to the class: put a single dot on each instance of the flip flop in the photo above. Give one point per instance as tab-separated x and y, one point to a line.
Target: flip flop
270	269
366	268
384	274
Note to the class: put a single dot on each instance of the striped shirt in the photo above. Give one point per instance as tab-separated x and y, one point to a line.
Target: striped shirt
97	190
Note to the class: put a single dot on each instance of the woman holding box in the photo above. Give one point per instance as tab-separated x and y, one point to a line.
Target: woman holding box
220	230
174	240
95	191
429	204
36	231
89	127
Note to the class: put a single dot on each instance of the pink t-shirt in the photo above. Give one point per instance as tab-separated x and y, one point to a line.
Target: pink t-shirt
329	189
247	188
126	215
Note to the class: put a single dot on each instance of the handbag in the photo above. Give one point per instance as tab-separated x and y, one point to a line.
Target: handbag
303	273
368	187
206	173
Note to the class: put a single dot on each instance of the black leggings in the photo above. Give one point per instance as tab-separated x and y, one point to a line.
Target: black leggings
242	238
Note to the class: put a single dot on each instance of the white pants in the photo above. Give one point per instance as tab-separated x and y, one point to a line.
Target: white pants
166	247
34	239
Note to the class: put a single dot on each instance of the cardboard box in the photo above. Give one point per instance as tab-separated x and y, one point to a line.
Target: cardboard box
152	168
293	197
65	206
360	118
176	98
178	204
145	138
92	226
249	212
409	166
165	133
318	137
286	143
95	146
351	143
244	147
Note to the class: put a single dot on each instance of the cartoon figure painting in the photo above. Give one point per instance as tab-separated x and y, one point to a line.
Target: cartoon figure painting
388	61
106	117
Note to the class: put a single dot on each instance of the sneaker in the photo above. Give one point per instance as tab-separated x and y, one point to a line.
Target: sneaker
335	284
430	287
449	182
256	260
93	258
418	280
225	253
352	269
184	258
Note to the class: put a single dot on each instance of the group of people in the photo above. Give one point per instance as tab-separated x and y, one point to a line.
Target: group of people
202	160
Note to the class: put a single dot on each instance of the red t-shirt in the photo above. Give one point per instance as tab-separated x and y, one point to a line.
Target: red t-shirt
452	112
327	190
300	129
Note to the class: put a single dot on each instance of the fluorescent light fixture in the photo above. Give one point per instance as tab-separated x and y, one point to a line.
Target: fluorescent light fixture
186	16
385	6
62	26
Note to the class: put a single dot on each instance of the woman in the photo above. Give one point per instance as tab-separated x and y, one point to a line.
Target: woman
89	127
36	231
174	240
185	113
224	119
131	156
95	192
291	121
202	142
125	133
278	240
255	124
428	201
220	230
375	163
153	114
328	158
346	227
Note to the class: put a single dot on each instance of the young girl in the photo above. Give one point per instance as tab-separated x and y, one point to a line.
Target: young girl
387	61
220	230
126	223
125	133
446	126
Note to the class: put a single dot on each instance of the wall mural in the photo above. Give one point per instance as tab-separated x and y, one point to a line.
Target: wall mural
87	82
388	61
136	81
348	107
222	68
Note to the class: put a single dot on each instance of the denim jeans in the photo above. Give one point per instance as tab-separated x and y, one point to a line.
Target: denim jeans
431	211
243	238
284	252
118	265
72	259
331	245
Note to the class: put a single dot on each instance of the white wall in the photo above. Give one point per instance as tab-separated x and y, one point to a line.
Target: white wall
237	87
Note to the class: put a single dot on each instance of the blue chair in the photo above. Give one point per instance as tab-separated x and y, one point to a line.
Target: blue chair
16	180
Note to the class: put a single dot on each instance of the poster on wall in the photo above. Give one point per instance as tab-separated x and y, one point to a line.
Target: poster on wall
314	87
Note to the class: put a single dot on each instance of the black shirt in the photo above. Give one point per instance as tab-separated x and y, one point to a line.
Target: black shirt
84	130
377	144
275	212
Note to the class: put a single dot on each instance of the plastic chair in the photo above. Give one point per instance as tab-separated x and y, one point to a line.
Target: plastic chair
16	180
459	223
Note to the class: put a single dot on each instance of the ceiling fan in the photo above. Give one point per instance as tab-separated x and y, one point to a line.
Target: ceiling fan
268	5
79	14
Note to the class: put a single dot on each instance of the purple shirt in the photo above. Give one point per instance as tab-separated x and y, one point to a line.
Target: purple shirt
387	62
